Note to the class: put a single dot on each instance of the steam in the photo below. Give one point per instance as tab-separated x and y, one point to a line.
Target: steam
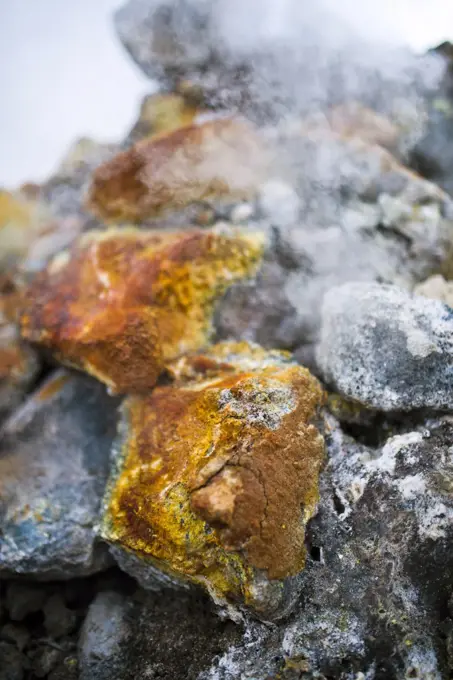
273	58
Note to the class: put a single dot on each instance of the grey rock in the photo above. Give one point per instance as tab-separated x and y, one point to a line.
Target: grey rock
433	152
12	663
307	60
22	600
346	226
54	459
43	660
386	348
66	670
375	593
436	288
58	619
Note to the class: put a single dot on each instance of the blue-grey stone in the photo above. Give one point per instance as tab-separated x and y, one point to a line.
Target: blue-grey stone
54	460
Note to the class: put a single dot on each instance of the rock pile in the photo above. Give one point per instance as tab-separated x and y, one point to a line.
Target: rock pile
185	500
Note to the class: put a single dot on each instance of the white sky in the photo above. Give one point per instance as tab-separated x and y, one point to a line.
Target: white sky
63	73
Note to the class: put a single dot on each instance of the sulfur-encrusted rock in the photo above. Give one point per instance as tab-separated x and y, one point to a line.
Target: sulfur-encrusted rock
217	159
217	476
386	348
122	303
54	461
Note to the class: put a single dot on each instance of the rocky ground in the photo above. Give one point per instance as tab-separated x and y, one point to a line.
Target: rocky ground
226	371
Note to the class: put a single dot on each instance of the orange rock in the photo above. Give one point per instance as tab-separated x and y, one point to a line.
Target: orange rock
123	302
221	158
18	362
218	473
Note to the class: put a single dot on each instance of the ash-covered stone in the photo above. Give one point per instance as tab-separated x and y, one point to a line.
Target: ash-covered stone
173	636
53	467
386	348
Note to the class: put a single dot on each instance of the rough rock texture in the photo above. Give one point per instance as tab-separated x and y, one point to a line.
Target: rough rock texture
54	458
246	56
436	288
121	303
218	159
167	635
386	348
375	591
19	364
338	210
217	476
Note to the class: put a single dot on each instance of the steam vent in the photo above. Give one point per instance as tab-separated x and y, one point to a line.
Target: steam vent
226	364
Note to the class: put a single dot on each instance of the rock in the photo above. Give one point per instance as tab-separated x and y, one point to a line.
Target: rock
432	154
216	477
217	159
436	288
19	364
375	589
105	636
124	302
352	119
22	600
19	635
336	210
162	113
12	663
22	219
245	57
54	458
58	619
167	635
43	660
387	349
67	670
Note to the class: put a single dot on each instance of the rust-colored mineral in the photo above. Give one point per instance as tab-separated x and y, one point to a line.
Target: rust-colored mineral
217	473
221	158
123	302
